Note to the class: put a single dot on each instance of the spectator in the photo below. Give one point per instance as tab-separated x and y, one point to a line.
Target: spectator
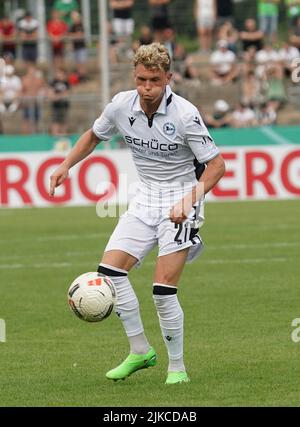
224	11
145	37
267	114
275	85
220	117
248	61
223	62
243	117
57	30
33	86
10	91
268	18
265	58
293	12
168	40
65	8
7	37
28	28
230	34
122	23
79	45
250	90
59	95
295	35
205	15
159	17
251	35
287	55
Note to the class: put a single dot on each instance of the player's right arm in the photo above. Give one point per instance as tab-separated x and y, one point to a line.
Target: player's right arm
84	146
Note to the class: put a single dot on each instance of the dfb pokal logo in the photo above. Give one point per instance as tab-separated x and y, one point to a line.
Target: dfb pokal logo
169	129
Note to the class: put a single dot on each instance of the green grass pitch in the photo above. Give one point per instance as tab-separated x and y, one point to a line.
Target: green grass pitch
239	298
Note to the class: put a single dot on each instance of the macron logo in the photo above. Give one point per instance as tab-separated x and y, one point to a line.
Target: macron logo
197	121
131	120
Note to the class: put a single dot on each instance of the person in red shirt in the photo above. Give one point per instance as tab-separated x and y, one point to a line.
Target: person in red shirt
7	37
57	30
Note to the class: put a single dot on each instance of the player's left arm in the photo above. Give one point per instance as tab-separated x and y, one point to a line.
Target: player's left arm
204	149
214	171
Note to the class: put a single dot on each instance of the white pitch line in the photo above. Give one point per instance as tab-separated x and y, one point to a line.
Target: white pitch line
245	246
57	238
274	136
211	261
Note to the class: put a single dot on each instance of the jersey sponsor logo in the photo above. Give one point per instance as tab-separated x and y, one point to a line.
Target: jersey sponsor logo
153	144
169	129
131	120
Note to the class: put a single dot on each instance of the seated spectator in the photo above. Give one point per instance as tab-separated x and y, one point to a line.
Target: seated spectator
267	114
250	90
205	14
168	40
243	117
275	85
223	64
268	11
65	8
265	58
33	87
10	91
251	36
248	61
287	55
230	34
60	104
7	38
293	12
295	35
220	117
159	12
146	36
122	23
79	45
57	30
28	29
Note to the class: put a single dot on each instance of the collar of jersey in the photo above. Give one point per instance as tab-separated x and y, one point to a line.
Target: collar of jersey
162	109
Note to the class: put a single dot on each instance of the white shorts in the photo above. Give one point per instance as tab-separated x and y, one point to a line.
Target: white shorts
207	22
123	27
137	236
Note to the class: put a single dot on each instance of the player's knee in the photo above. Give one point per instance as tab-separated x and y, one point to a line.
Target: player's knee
167	278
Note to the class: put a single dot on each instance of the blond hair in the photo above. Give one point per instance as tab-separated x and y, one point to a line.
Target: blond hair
154	55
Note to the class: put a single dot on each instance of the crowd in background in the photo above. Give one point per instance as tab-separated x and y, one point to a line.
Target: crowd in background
254	57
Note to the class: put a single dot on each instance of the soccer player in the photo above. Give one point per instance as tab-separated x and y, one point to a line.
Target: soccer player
165	134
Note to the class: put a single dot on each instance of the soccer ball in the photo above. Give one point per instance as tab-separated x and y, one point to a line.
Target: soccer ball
92	297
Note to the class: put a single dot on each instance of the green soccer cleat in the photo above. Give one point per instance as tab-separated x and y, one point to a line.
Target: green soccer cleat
177	378
132	363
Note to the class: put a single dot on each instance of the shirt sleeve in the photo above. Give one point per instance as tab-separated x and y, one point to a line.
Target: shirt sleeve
104	127
198	138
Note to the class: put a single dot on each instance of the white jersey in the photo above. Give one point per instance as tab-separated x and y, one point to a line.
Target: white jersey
163	147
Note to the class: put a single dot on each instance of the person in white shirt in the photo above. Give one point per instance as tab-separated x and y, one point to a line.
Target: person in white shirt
288	56
28	30
165	134
243	117
10	91
223	64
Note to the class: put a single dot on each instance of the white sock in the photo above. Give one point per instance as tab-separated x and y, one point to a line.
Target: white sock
127	309
171	318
